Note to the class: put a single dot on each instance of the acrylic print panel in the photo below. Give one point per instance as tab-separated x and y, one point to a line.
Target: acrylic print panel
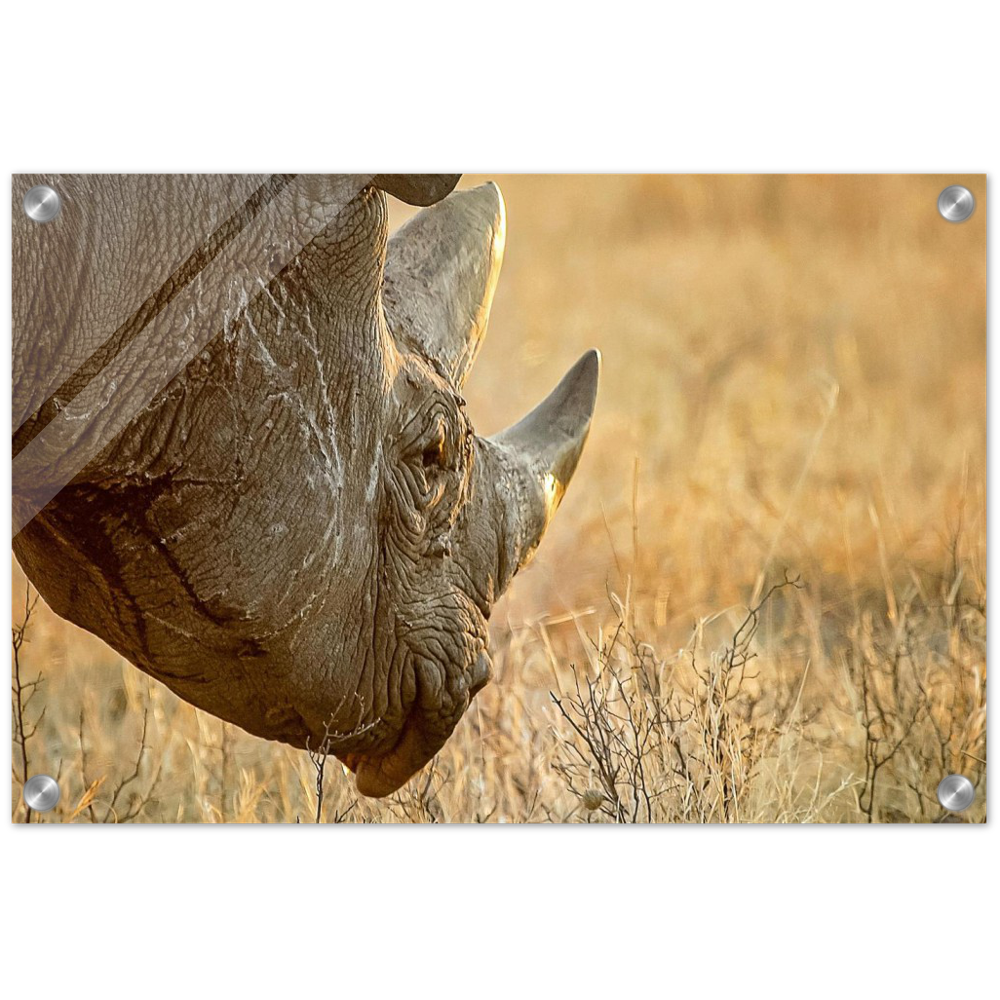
277	499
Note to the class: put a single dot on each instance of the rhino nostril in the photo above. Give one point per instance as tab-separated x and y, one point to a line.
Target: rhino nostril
480	675
440	546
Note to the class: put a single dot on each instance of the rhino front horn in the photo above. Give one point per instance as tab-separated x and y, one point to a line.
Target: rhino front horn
546	445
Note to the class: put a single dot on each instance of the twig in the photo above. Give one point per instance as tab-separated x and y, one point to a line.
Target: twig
23	692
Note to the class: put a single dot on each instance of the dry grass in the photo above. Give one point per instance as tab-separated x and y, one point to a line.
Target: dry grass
795	376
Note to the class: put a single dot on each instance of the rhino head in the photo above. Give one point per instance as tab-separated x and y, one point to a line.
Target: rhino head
300	530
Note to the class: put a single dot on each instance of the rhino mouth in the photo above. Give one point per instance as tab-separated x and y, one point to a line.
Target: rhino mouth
379	774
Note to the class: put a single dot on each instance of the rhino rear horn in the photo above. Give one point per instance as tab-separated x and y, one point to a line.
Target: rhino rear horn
440	272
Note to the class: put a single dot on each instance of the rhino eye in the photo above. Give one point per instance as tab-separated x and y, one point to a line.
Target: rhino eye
433	456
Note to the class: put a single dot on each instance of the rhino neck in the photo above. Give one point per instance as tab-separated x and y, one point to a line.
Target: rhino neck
223	541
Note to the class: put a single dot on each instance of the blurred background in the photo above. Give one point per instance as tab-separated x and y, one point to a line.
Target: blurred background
793	389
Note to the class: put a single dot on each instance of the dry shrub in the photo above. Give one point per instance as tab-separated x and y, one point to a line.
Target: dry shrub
727	736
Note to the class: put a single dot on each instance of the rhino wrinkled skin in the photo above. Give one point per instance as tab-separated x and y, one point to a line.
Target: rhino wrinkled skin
301	533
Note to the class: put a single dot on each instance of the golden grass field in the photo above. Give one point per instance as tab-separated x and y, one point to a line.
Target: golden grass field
794	388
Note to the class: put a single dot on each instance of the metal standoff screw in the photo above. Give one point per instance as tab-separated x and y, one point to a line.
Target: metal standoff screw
955	792
41	793
42	203
956	203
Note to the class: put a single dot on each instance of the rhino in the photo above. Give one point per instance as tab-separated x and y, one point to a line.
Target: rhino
242	457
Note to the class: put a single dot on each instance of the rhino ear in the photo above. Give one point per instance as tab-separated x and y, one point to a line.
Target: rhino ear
417	189
440	272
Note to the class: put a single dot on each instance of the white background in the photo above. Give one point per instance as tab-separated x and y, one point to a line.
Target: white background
624	81
548	917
